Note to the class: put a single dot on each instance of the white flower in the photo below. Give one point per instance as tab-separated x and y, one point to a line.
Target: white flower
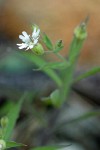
29	41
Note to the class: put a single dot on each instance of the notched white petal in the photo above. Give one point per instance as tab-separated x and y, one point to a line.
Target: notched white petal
25	34
25	37
23	45
22	38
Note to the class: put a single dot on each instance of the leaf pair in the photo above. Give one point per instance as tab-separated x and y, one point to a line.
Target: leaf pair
12	118
56	48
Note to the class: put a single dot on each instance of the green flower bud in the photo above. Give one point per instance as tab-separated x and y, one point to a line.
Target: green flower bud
59	46
80	31
4	122
38	49
2	145
1	132
59	43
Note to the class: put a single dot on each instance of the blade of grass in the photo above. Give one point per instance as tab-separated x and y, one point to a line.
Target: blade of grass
14	144
80	118
87	74
12	116
53	147
4	109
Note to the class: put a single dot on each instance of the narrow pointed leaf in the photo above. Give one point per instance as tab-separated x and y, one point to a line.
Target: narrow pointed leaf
88	73
13	144
47	42
12	116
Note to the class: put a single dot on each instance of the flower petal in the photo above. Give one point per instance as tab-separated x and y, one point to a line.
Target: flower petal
22	38
38	32
26	37
27	49
35	41
25	34
22	46
35	33
31	46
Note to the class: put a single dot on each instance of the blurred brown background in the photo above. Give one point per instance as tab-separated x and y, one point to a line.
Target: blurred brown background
57	18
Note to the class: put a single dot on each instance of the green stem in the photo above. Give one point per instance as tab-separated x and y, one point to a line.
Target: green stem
67	74
60	57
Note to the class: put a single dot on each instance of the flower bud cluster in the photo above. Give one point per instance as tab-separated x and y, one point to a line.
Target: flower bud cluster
80	31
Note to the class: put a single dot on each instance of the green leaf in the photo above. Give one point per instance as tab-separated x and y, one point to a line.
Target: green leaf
46	100
12	116
88	73
45	148
86	116
82	117
40	63
47	41
55	98
56	65
13	144
55	147
57	49
58	147
53	65
4	109
75	49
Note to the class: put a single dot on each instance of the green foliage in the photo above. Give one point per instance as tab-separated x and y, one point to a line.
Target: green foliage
58	147
61	72
12	116
40	62
68	73
88	73
4	110
13	144
85	116
55	95
64	79
58	46
53	65
8	123
45	148
47	41
53	99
